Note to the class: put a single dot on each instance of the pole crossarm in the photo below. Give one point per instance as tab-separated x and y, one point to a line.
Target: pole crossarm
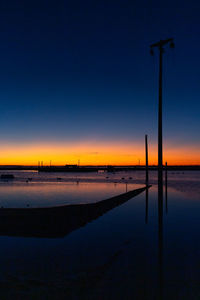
161	43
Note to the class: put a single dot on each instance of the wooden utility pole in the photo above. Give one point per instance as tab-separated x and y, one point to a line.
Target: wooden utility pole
160	45
146	152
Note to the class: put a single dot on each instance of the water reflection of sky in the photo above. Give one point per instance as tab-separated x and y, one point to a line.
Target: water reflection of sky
99	176
114	256
37	194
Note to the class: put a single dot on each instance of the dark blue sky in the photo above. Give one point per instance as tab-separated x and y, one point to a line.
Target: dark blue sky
72	70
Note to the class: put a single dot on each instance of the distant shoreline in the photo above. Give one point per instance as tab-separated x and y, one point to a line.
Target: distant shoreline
98	168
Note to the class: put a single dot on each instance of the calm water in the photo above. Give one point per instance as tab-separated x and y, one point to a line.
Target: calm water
127	253
44	194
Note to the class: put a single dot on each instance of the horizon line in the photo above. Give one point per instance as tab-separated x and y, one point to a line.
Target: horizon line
98	165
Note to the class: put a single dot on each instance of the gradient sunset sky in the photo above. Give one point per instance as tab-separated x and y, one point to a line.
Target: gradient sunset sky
77	81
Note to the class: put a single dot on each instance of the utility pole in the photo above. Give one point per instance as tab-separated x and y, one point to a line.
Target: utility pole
166	206
147	178
160	45
146	152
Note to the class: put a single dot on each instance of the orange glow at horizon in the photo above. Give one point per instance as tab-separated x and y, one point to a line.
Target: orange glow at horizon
93	153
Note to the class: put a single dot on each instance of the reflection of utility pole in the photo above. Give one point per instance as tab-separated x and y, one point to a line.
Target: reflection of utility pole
160	240
160	45
147	204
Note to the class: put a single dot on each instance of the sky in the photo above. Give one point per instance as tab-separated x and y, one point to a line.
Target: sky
77	81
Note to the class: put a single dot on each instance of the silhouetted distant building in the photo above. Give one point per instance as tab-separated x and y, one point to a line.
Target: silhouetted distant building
71	166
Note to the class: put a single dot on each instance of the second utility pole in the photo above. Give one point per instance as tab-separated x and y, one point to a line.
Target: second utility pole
146	154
